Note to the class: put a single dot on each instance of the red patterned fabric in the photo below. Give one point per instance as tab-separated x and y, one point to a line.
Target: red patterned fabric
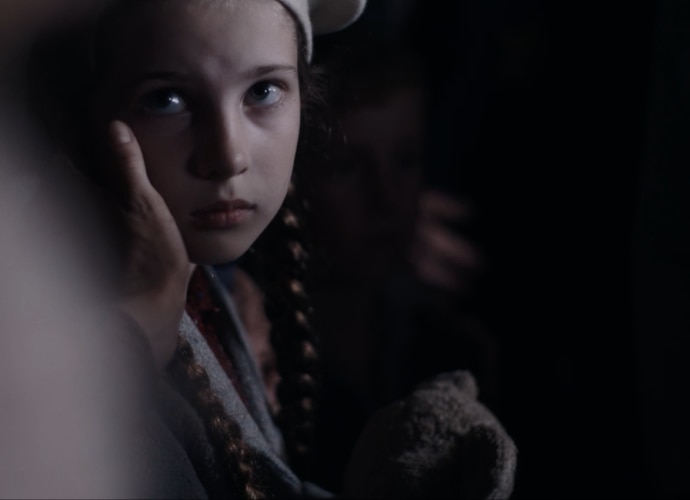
203	311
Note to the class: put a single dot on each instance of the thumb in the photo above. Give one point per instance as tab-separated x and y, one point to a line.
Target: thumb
127	167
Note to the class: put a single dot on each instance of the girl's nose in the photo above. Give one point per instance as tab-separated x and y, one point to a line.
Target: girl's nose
222	150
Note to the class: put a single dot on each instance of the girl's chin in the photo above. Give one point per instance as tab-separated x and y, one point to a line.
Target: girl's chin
212	248
216	256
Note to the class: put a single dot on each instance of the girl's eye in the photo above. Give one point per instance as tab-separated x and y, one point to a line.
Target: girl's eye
164	102
264	94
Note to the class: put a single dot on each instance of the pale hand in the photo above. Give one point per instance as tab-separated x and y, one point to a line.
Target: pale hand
157	268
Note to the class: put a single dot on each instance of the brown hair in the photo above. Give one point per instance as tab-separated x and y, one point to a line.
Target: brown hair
279	263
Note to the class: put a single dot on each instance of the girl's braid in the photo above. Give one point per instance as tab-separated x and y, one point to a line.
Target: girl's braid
279	263
232	453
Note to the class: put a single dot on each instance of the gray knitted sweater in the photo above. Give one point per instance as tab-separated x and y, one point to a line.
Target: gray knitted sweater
181	455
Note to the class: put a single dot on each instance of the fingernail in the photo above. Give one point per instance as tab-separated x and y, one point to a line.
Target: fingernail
120	133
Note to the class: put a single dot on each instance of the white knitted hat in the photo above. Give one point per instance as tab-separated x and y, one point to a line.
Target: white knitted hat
319	17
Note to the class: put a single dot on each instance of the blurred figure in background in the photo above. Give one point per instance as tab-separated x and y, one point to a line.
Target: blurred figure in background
397	275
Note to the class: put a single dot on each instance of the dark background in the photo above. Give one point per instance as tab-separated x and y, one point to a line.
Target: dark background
566	123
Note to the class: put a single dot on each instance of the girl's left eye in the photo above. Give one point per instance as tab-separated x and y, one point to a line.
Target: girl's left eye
164	102
264	94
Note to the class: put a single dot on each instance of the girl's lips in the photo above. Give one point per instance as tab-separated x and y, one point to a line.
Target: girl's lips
222	214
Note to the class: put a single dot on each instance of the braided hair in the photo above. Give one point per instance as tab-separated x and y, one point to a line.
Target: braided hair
232	453
279	263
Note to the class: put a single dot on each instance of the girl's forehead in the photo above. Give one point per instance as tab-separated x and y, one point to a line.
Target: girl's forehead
237	32
156	16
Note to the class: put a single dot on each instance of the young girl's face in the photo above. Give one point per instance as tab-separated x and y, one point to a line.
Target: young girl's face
210	89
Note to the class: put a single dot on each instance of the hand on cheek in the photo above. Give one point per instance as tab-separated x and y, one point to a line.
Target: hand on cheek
157	269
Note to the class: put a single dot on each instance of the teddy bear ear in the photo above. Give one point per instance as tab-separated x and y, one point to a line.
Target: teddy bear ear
438	442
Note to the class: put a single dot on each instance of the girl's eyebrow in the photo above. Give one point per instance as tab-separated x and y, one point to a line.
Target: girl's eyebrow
159	75
252	73
260	71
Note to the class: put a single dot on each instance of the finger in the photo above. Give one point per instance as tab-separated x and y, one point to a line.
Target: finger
433	273
128	167
437	205
437	242
440	273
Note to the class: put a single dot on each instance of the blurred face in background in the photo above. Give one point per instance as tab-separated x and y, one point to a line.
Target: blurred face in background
366	202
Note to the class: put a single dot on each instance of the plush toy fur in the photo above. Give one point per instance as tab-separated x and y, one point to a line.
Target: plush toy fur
439	442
